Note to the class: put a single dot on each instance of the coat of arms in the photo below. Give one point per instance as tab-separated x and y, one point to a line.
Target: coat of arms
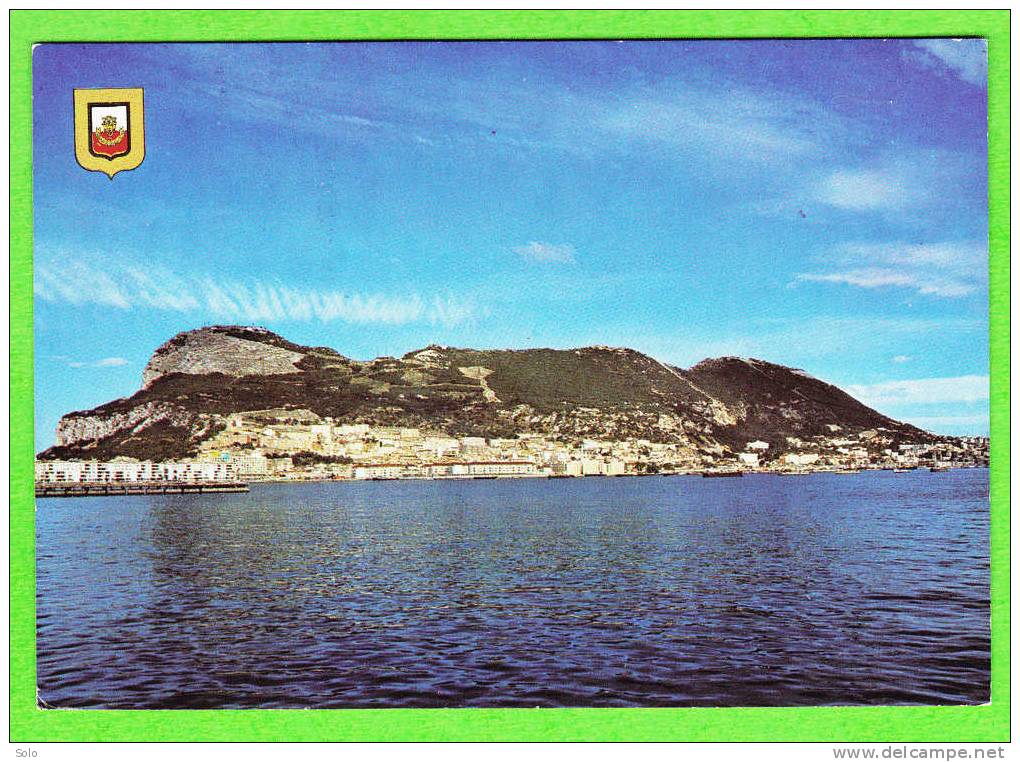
109	129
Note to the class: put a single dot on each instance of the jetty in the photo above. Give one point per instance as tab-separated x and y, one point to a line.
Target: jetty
84	489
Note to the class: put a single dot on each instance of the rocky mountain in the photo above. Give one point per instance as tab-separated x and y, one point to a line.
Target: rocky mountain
196	379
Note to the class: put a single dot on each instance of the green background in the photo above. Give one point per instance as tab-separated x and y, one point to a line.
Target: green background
931	724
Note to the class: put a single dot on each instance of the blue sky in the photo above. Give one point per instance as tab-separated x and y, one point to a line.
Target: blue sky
820	204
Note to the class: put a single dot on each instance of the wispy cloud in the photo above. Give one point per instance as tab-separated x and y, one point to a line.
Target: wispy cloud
951	269
126	286
906	180
256	301
923	391
106	362
900	359
279	107
537	251
758	127
908	188
863	190
965	58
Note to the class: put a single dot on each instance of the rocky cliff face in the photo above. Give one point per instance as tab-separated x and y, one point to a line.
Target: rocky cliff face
82	429
197	378
230	350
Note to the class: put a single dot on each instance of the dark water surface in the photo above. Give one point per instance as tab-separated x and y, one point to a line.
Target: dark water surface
658	591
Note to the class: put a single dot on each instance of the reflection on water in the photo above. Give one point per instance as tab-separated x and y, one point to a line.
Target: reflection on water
659	591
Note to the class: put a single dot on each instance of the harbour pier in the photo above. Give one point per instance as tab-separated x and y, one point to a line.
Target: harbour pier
83	489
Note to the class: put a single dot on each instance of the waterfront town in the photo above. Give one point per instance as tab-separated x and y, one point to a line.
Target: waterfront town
284	445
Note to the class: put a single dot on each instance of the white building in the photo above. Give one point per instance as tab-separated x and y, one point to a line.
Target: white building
116	472
494	468
800	459
748	458
189	471
572	468
250	463
379	471
600	467
758	445
437	470
913	448
615	467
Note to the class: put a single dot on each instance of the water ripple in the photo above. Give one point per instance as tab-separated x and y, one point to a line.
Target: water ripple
762	591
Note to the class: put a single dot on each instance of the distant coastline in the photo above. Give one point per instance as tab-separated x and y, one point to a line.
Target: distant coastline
225	480
230	404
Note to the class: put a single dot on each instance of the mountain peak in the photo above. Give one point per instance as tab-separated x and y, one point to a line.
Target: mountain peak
232	350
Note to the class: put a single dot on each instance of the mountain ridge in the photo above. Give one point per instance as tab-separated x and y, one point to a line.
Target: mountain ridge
196	379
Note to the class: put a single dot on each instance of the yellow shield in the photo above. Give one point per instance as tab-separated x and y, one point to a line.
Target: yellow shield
109	129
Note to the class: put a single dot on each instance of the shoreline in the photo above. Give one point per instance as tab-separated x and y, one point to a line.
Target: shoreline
64	491
698	472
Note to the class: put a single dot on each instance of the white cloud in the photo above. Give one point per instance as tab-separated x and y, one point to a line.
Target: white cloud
159	288
277	106
757	127
126	286
900	359
876	278
947	269
863	190
895	183
106	362
923	391
967	58
75	283
268	302
909	188
537	251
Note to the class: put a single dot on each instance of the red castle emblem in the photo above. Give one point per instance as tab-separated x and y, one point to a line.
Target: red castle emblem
110	139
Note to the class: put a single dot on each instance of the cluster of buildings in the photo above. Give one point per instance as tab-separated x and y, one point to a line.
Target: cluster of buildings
297	444
870	449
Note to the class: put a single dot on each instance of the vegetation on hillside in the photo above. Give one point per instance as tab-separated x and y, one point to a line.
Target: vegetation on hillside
594	392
